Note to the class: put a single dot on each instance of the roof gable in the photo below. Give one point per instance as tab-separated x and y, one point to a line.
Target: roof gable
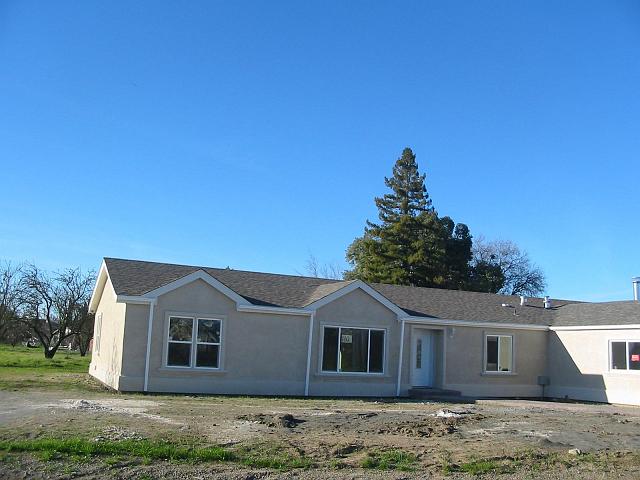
194	276
355	285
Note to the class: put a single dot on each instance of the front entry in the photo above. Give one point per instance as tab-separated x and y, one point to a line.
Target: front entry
422	358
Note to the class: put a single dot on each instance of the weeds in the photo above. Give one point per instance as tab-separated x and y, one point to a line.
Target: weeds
390	460
270	456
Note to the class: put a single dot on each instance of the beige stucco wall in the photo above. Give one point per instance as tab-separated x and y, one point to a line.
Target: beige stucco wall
260	353
106	364
579	367
464	362
356	309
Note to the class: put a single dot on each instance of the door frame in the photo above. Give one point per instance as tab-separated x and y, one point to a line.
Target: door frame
433	331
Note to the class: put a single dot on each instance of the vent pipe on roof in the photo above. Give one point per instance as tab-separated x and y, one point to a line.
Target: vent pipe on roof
523	300
547	302
636	288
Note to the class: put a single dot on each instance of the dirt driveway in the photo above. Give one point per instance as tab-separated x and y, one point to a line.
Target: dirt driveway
337	435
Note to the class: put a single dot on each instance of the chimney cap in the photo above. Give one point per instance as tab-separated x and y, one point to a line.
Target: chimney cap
635	279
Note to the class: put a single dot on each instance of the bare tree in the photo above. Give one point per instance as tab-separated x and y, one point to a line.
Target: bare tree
85	330
54	306
521	276
11	330
323	270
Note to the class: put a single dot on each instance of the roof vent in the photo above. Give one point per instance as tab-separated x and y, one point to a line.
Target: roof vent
547	302
523	300
636	288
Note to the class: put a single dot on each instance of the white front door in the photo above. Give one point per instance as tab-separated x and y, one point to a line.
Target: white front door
422	356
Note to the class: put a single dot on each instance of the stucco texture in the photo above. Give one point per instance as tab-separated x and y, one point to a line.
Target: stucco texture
579	366
106	359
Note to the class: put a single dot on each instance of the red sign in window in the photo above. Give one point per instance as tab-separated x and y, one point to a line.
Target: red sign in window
635	358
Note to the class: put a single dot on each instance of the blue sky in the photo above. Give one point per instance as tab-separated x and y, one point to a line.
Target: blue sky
250	134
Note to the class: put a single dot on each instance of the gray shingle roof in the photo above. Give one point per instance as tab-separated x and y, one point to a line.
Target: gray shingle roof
605	313
134	277
473	306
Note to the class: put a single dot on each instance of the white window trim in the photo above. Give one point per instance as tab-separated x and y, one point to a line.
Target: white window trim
340	372
484	361
98	334
194	341
626	371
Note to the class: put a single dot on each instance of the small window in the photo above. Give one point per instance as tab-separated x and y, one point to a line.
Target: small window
186	349
499	353
625	355
98	333
419	353
356	350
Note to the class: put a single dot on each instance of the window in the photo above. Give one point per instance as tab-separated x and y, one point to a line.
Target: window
208	343
98	332
189	348
625	355
356	350
499	353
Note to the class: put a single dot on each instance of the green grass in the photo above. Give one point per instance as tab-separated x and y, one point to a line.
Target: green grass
23	368
152	450
390	460
33	358
149	450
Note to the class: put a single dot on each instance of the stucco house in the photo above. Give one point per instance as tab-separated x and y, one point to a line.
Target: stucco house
178	328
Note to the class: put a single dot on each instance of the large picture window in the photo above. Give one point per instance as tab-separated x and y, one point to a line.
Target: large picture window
498	353
356	350
194	342
625	355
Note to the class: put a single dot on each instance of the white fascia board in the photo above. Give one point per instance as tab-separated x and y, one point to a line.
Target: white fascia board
469	323
275	310
192	277
596	327
357	284
98	288
137	300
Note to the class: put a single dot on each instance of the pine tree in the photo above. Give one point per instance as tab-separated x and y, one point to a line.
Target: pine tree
409	245
408	195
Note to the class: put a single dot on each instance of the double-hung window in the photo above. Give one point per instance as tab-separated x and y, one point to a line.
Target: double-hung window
194	342
625	355
498	353
357	350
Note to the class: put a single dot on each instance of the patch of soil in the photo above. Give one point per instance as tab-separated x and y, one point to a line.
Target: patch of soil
118	433
273	421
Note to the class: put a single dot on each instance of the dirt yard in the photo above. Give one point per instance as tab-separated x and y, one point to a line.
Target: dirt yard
326	438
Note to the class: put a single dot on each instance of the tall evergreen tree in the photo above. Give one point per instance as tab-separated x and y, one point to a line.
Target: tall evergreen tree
410	245
408	195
